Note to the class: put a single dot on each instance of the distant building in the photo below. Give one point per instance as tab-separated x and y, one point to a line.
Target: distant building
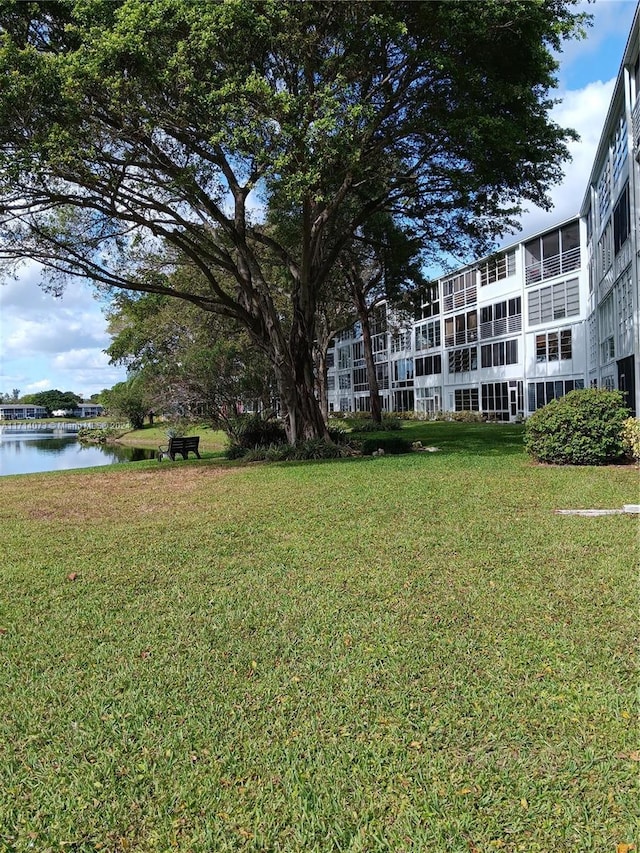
88	410
20	412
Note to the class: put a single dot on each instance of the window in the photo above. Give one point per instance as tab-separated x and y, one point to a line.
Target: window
460	290
608	350
621	221
358	353
430	302
502	318
495	400
604	191
461	360
382	375
499	354
403	371
344	382
428	335
554	302
461	329
344	358
345	335
403	401
498	267
607	321
553	254
401	341
378	320
428	365
467	400
360	379
541	393
553	346
428	400
379	347
331	357
619	147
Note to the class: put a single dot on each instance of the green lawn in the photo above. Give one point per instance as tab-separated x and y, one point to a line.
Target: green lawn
408	653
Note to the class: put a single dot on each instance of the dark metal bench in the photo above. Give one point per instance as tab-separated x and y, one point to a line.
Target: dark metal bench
180	444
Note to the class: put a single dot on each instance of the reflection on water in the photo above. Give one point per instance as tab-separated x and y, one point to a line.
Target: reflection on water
31	452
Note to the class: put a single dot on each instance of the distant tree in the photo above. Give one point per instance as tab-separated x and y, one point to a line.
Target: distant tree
126	123
53	400
127	400
190	362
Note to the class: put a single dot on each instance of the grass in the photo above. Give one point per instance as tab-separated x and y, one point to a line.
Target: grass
408	653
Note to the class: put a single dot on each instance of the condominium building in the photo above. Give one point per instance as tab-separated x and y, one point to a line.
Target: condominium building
549	314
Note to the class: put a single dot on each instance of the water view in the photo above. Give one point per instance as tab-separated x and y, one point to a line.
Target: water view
32	451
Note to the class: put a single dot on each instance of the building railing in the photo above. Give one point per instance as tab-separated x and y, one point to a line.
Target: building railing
555	265
504	326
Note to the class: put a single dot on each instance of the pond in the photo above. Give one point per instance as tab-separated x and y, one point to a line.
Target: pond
31	452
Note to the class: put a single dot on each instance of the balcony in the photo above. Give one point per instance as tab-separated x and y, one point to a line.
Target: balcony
551	267
503	326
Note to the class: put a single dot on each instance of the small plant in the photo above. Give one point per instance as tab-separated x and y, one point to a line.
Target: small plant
631	438
583	428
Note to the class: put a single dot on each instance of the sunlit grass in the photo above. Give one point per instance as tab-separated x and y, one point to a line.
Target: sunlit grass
404	653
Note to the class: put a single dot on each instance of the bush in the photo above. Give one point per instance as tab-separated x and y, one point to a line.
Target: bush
97	435
393	444
631	438
467	417
390	423
583	428
338	434
251	431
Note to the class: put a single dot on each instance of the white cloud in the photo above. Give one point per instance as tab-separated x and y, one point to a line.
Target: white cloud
53	342
34	387
584	111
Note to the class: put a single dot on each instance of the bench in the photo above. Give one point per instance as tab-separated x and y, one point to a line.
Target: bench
180	444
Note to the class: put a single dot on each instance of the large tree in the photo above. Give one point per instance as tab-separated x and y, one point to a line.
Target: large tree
123	124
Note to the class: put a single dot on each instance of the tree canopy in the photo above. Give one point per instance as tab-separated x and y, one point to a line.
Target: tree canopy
53	400
133	124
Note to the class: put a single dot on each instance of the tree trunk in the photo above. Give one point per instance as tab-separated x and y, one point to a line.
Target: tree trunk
374	389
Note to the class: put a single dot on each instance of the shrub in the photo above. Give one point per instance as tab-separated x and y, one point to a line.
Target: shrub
235	451
467	417
389	423
97	435
250	431
316	448
583	428
338	434
631	438
392	444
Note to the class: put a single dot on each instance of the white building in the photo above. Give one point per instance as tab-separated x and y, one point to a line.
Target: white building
611	210
556	311
21	411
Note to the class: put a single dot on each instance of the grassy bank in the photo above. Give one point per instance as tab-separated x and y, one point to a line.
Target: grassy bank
153	436
405	653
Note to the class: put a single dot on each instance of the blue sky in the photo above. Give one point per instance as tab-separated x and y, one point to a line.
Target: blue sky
58	343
